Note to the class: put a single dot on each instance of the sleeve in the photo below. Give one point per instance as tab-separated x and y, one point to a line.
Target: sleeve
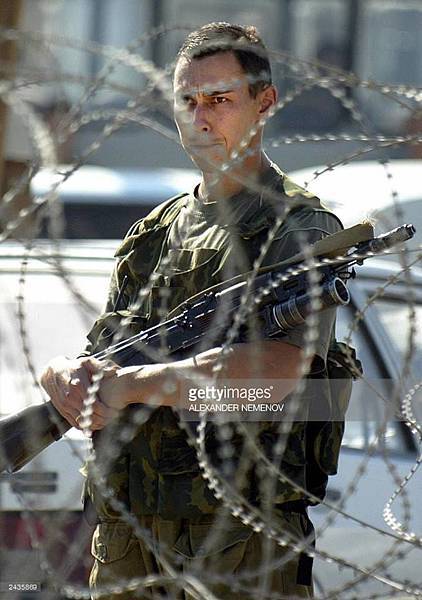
308	226
115	296
115	286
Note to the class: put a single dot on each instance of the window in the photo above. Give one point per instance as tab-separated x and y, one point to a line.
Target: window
318	31
389	49
370	398
70	55
396	316
184	15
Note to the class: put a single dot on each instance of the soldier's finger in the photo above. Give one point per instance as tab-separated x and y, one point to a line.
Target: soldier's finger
93	424
71	399
101	412
104	412
83	375
86	422
92	365
68	403
98	424
71	416
97	408
77	389
80	391
92	417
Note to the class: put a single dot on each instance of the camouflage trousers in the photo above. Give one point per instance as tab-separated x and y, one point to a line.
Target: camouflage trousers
213	556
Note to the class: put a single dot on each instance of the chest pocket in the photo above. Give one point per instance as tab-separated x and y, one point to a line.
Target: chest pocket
188	273
183	260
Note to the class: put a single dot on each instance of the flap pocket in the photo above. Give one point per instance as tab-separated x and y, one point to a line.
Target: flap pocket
176	456
295	444
194	542
140	254
195	268
111	541
183	260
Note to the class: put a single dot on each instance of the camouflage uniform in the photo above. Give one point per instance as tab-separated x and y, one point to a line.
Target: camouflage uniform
157	475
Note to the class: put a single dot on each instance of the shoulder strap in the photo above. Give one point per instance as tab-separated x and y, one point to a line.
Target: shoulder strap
164	213
161	216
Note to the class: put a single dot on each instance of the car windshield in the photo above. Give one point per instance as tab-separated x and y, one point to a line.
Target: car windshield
403	323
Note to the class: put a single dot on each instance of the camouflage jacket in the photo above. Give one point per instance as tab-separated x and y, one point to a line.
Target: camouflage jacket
157	472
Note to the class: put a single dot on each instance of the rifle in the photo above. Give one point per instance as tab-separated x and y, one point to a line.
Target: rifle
286	304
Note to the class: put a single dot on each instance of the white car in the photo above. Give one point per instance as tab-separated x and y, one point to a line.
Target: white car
376	456
54	321
100	202
390	194
41	503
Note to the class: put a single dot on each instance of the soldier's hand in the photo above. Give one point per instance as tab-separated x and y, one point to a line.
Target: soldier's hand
66	381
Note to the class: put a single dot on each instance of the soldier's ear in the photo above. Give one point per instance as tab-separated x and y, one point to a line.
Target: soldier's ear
268	98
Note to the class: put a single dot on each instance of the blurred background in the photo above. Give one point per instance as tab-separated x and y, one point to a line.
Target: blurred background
98	75
375	39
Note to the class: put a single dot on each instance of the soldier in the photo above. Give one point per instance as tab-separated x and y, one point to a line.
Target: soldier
223	92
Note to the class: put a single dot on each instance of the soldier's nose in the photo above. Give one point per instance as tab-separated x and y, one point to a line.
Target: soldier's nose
201	121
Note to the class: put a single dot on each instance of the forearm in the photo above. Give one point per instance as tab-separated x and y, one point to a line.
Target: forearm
167	384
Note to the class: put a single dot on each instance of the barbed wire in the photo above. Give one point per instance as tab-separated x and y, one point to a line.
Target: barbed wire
263	521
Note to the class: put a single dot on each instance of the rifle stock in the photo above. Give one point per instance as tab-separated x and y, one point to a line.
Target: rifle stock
28	432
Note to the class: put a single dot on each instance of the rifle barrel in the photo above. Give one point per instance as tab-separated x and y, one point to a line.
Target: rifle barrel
388	240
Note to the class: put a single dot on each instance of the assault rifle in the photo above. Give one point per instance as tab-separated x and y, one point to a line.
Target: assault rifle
282	299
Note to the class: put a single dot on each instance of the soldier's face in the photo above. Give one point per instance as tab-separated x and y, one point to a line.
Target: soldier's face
214	110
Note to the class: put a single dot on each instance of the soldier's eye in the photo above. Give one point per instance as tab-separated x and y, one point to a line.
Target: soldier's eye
188	100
